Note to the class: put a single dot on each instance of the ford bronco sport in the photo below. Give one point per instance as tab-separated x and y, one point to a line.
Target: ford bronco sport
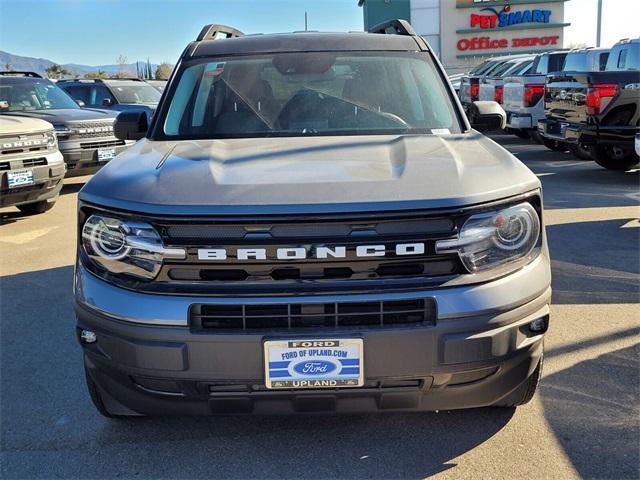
309	224
31	166
85	136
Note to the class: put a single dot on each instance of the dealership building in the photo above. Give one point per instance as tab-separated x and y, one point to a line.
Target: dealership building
465	32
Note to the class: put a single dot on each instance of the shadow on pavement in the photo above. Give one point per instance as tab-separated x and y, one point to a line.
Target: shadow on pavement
595	262
50	429
593	409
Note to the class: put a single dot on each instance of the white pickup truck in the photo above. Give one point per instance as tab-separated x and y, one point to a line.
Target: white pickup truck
523	96
491	87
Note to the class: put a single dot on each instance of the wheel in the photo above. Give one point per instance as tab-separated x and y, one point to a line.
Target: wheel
518	132
535	136
613	157
36	207
554	145
580	151
525	392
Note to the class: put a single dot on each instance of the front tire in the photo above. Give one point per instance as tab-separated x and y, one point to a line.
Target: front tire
36	207
614	157
535	136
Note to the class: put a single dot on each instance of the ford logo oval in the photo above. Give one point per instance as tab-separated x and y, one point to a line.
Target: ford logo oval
314	367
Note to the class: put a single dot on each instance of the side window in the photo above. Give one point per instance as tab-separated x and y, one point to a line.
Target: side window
98	95
543	65
78	93
622	59
603	61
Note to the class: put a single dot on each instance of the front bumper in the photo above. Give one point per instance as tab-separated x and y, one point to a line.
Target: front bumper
48	181
83	161
147	360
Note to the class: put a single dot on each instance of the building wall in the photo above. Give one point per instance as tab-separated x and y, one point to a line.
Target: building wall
458	30
378	11
447	26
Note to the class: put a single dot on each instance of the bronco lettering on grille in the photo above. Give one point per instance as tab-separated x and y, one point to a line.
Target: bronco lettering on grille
320	252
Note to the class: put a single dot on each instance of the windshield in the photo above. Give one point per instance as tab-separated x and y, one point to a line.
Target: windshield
314	93
576	62
139	93
27	94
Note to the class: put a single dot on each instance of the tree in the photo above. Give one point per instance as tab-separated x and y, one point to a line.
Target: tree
8	67
123	67
163	72
57	71
96	75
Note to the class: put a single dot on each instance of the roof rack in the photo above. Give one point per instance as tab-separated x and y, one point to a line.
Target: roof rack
212	31
21	74
394	27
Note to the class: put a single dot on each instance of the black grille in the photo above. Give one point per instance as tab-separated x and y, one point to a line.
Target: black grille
313	315
108	143
80	126
18	164
207	233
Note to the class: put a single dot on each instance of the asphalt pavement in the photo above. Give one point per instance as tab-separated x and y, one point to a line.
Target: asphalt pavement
584	421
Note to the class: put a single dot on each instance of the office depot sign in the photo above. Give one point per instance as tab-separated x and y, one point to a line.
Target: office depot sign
488	43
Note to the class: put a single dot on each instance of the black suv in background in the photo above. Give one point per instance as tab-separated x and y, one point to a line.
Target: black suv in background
113	94
85	136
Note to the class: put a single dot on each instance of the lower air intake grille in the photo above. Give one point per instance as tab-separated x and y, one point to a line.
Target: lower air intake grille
312	315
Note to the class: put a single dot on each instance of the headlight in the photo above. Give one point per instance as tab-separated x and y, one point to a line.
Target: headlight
52	140
126	247
488	240
62	130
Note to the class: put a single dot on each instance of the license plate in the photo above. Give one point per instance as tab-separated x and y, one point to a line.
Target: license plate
105	155
314	363
20	178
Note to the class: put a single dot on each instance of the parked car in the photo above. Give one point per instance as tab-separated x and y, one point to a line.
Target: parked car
113	94
598	110
85	136
523	97
31	166
470	84
491	86
310	223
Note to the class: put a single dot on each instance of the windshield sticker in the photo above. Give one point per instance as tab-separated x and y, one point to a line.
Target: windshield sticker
440	131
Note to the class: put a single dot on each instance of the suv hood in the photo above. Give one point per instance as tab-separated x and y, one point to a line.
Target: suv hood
308	175
10	125
64	115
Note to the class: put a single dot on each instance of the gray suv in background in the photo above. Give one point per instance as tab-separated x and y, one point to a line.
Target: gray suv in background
311	224
85	136
113	94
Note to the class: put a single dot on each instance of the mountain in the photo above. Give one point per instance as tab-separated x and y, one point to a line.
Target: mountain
39	65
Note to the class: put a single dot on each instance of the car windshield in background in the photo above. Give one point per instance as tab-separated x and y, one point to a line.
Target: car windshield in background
27	94
136	93
314	93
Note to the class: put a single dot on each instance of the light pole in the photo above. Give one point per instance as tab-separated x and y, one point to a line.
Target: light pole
599	27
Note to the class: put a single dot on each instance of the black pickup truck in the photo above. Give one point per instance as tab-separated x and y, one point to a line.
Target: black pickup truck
598	111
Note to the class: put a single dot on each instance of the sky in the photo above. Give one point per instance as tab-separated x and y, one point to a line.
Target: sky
96	32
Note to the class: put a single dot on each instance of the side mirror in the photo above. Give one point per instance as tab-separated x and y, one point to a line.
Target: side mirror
107	102
487	116
131	125
80	103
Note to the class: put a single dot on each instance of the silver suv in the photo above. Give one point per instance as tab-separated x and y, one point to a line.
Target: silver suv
310	223
31	166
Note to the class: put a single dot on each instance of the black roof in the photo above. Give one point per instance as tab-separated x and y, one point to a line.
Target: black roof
303	42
